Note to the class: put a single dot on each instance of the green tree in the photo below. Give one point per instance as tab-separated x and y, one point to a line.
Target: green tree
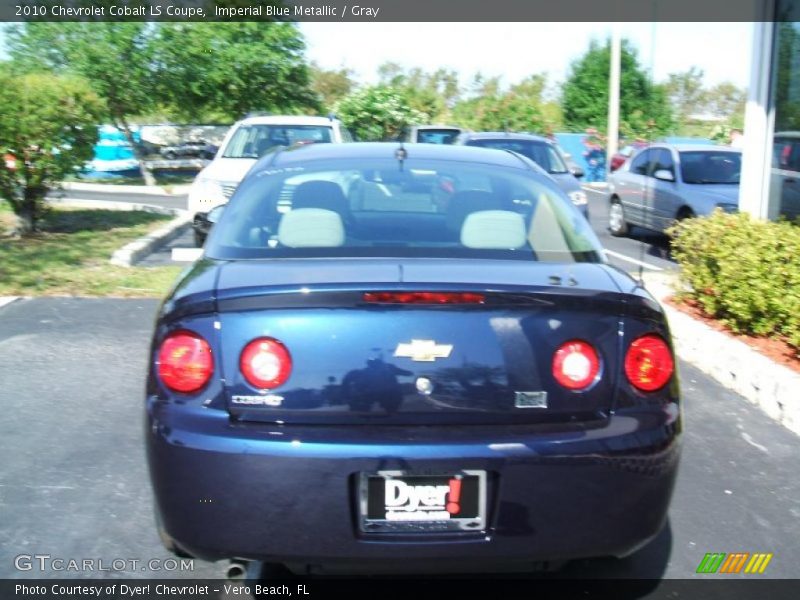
433	93
687	94
787	96
331	85
727	100
378	113
49	125
689	97
644	108
520	108
221	71
115	58
190	71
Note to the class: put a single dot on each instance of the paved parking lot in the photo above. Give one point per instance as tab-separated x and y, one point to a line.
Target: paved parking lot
74	484
163	255
641	248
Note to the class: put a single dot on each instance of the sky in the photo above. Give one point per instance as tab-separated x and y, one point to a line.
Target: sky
516	50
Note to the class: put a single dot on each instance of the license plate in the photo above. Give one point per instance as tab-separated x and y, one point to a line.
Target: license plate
403	502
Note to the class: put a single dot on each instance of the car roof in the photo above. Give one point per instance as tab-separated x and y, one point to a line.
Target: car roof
693	147
369	150
288	120
454	127
504	135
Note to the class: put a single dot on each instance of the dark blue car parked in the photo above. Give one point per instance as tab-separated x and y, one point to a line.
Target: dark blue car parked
408	358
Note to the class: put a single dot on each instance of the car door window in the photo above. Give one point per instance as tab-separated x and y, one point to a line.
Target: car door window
793	162
787	154
641	162
662	161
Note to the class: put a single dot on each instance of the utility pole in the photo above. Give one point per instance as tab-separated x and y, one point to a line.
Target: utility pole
613	96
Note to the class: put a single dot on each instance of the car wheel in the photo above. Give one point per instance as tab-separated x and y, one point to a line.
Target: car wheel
617	225
199	239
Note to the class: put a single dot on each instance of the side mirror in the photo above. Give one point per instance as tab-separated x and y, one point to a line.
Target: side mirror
664	175
215	213
576	171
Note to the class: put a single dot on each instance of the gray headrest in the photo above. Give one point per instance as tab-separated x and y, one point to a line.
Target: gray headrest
311	228
493	230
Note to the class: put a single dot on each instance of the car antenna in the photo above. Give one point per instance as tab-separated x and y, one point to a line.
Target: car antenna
401	154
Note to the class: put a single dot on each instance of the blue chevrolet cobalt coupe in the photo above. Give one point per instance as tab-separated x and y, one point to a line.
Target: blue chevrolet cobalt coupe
408	358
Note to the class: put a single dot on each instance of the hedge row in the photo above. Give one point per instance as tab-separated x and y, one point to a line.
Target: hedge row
742	271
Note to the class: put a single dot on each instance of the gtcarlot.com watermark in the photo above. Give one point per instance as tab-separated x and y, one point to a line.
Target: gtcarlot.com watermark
47	562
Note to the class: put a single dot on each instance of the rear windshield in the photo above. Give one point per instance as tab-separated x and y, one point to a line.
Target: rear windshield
542	153
382	208
437	136
711	167
253	141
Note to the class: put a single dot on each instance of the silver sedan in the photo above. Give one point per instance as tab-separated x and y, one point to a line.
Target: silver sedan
663	183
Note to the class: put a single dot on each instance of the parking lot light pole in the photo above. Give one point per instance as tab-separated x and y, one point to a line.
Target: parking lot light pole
612	135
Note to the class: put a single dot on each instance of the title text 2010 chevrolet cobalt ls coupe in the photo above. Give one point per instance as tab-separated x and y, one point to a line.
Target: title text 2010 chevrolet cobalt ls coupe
373	367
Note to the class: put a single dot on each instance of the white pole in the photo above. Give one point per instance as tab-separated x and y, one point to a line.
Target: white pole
759	122
613	96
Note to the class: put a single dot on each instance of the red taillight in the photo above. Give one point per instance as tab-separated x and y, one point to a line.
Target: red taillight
185	363
424	298
648	363
265	363
576	365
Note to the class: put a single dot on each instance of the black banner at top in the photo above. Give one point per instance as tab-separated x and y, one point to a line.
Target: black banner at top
397	10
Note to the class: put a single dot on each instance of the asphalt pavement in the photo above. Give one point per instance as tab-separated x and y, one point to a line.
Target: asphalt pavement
163	200
74	483
162	255
640	249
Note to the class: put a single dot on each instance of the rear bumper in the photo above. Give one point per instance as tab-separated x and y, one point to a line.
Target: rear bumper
289	494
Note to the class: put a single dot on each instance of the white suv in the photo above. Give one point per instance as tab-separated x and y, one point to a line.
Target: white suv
246	142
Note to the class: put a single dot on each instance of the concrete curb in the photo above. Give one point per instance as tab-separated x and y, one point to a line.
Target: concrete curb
136	250
150	190
735	365
6	300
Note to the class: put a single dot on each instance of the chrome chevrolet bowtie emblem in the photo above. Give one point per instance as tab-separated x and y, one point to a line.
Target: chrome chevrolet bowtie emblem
423	350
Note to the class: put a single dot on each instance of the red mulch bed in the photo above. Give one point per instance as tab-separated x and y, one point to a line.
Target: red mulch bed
774	348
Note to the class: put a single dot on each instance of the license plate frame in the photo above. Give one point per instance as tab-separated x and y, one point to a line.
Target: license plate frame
431	515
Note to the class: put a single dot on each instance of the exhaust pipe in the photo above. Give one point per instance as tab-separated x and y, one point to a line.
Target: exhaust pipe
236	571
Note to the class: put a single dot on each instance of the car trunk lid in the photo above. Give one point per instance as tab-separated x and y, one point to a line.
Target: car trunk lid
355	359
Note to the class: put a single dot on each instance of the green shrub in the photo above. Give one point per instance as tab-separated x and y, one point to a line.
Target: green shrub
742	271
378	113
